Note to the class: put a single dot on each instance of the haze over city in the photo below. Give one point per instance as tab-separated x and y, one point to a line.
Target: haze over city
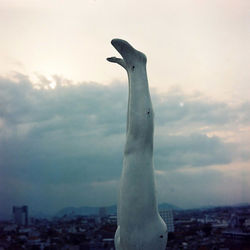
63	106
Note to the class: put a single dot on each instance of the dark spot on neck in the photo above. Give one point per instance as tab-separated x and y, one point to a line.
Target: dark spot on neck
133	68
161	236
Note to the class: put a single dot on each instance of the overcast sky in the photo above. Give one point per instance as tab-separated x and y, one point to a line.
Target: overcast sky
63	106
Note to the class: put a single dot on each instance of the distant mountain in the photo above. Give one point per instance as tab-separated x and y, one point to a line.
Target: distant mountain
39	215
168	206
243	204
208	207
85	211
71	211
238	205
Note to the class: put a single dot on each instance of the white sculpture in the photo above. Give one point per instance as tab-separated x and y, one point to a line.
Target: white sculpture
139	223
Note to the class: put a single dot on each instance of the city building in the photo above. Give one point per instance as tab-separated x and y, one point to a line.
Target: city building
102	212
167	216
20	215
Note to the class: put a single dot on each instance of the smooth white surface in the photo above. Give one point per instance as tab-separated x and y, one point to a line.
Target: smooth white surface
139	223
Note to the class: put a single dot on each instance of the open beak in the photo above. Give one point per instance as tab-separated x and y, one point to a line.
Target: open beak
124	49
122	46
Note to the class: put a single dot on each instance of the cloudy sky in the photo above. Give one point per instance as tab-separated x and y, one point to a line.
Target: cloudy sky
63	106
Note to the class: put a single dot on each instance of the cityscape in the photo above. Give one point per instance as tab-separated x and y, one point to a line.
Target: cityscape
65	124
217	228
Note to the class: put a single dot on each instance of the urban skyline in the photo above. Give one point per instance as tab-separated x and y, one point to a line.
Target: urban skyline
220	228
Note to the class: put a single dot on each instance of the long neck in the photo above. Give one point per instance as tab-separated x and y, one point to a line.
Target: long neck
140	127
138	200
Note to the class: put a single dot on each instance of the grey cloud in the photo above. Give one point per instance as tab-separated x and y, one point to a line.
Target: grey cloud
245	113
175	107
189	189
192	150
73	136
61	135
